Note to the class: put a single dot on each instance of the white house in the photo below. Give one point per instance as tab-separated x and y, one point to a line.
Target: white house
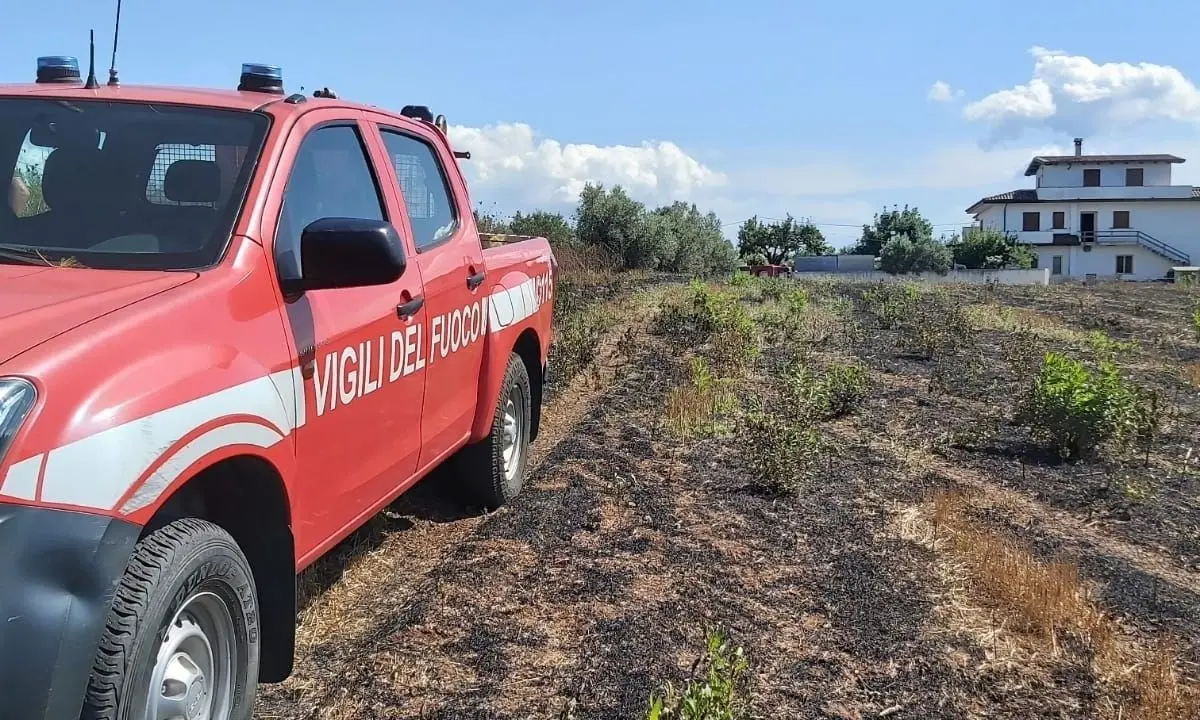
1112	216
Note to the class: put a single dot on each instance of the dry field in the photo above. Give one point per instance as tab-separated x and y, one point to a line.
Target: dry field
865	488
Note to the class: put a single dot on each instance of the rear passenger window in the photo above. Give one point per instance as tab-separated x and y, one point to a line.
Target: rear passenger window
164	157
426	191
331	178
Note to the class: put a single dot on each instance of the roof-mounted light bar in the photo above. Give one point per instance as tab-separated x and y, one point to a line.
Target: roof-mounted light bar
261	78
58	69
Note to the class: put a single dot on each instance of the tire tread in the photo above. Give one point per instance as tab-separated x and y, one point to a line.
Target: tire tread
152	557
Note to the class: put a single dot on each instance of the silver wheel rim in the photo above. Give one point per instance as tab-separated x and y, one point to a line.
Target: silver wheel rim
513	431
194	669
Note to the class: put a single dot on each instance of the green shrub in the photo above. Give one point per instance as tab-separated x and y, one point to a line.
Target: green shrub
716	318
889	303
936	326
715	695
699	405
798	300
773	288
1106	347
783	454
836	392
1079	408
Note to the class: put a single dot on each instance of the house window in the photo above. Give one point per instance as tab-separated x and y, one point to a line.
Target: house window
1120	219
1031	221
1124	264
1056	265
1133	177
1091	178
1059	220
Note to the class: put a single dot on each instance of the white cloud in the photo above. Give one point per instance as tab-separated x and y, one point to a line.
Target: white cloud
941	91
512	159
1074	94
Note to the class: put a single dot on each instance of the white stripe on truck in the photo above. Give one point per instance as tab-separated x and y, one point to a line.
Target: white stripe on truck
99	470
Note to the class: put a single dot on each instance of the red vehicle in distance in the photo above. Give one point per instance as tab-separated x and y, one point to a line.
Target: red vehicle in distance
234	325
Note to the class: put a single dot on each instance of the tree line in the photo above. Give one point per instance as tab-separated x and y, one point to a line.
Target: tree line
679	238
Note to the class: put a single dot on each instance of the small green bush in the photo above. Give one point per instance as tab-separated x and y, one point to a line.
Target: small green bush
773	288
1104	346
798	300
715	317
699	406
716	695
889	304
936	327
834	393
784	454
1079	408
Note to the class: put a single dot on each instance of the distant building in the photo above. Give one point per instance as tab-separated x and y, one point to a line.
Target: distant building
833	263
1108	216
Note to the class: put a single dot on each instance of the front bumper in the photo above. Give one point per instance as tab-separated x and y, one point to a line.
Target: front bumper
58	572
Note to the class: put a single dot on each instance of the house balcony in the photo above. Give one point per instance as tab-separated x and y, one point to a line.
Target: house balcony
1046	237
1116	192
1105	237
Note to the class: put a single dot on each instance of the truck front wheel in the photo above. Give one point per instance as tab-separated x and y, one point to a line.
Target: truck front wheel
181	639
493	469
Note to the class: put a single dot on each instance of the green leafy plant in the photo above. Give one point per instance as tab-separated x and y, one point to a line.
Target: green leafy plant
783	453
714	690
835	392
714	317
1107	347
889	304
935	327
1079	408
797	300
699	405
773	288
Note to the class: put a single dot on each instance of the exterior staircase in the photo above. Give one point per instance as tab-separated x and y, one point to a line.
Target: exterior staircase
1137	237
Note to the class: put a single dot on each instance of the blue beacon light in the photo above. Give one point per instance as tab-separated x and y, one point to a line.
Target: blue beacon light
261	78
57	69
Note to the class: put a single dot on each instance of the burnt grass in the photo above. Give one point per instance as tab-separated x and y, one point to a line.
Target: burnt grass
593	588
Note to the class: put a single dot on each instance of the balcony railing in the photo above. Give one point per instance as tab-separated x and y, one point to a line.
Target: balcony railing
1135	237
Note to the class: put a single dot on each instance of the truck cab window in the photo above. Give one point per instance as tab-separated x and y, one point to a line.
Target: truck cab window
426	191
332	177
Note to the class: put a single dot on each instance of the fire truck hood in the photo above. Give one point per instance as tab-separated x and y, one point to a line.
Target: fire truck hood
39	303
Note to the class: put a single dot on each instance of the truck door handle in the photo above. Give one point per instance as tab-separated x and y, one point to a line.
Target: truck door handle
474	281
408	309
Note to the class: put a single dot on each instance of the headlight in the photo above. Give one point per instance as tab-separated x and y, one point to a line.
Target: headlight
17	396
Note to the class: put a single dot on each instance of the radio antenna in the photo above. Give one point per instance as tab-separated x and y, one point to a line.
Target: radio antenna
112	70
91	80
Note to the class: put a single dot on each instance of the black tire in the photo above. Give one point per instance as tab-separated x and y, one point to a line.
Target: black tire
167	568
480	466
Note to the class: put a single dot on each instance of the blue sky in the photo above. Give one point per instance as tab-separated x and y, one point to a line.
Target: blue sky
821	109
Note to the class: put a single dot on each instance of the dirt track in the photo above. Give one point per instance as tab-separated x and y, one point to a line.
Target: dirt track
579	599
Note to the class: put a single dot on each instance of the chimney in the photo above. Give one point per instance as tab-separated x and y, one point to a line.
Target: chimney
1078	147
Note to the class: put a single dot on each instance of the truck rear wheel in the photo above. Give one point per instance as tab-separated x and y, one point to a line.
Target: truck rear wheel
493	469
181	639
